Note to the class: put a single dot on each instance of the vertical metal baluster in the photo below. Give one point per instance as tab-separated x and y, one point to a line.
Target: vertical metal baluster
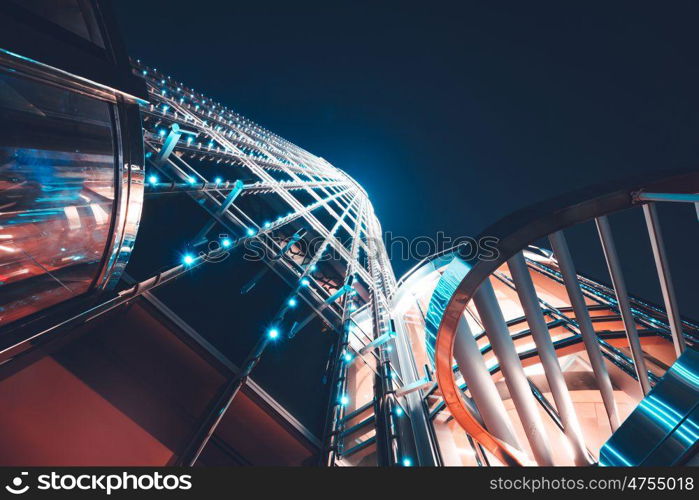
481	386
517	383
622	297
547	355
582	318
663	268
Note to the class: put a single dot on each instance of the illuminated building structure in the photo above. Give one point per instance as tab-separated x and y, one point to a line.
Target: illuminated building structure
248	249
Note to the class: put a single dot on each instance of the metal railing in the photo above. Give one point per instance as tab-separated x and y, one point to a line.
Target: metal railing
470	283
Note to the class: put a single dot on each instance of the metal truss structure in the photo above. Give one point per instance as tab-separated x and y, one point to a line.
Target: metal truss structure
315	226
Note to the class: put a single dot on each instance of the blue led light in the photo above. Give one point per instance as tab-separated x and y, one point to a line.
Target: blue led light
398	411
153	179
188	259
191	179
267	224
305	282
314	268
347	357
407	462
250	231
292	302
344	400
218	180
273	333
161	132
606	460
226	242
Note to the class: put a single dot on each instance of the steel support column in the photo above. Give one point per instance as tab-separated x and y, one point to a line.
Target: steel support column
582	318
517	383
663	267
547	354
622	296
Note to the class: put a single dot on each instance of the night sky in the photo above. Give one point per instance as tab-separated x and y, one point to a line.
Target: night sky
452	118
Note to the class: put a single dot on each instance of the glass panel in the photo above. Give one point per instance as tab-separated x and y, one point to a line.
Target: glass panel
56	193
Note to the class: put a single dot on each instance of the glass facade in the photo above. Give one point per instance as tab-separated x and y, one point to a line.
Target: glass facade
57	190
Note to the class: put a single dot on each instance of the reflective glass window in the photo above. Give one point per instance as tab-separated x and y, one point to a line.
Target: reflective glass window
57	168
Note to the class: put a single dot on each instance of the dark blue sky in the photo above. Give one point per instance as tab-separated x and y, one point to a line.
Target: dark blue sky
451	117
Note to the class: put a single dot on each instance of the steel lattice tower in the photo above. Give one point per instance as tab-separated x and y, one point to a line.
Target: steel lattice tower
185	135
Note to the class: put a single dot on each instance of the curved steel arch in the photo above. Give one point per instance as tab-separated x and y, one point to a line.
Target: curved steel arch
515	232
